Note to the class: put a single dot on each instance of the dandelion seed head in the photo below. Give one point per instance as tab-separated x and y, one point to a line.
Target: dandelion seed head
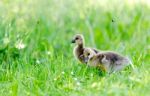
38	61
63	72
20	45
48	53
78	83
72	73
75	79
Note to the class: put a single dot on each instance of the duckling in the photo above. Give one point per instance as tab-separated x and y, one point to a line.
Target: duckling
108	61
79	48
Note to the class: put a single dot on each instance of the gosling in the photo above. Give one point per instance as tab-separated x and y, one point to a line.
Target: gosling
107	61
79	48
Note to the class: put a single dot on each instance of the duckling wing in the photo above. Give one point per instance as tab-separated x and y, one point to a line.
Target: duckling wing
114	58
114	61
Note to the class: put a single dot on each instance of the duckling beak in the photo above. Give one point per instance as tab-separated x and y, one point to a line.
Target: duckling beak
86	60
73	41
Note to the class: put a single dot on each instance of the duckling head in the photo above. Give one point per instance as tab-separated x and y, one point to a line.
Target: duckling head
78	39
88	54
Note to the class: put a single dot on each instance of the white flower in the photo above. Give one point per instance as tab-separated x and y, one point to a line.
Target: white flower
78	83
75	79
63	72
20	45
72	73
37	61
48	53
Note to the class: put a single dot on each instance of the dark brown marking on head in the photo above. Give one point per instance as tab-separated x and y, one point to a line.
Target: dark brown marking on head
95	50
100	57
113	57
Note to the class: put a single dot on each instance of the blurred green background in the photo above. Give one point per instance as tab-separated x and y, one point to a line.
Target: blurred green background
36	57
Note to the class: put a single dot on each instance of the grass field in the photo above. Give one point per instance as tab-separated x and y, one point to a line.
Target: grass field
36	57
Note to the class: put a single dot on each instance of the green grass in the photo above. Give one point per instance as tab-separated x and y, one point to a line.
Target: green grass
47	67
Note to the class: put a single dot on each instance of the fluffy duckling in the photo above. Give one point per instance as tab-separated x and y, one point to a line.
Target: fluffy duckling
79	48
106	60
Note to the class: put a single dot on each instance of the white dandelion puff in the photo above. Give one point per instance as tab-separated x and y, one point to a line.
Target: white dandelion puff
38	61
63	72
48	53
72	73
75	79
78	83
20	45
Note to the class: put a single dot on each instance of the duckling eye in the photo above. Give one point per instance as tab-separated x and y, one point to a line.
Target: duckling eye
77	38
88	54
